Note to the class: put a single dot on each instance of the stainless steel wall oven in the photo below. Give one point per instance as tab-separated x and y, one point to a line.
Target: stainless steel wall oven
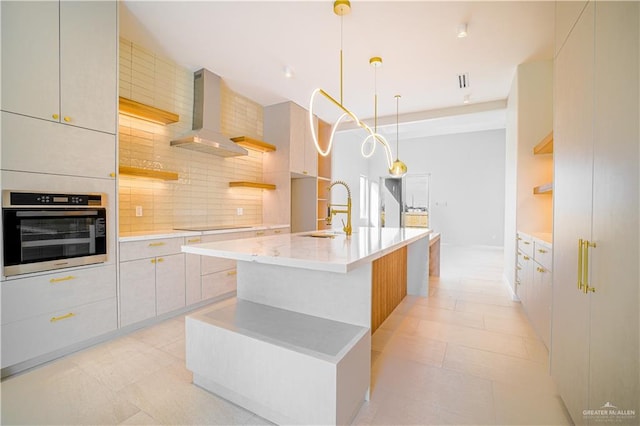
45	231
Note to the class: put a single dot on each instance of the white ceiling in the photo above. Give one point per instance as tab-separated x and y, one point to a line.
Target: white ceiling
249	43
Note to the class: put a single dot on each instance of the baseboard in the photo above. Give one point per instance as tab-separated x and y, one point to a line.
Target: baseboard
513	294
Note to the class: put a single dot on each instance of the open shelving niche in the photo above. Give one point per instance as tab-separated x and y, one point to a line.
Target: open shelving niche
545	146
324	177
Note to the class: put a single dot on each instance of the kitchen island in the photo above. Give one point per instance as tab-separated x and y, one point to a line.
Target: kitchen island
295	345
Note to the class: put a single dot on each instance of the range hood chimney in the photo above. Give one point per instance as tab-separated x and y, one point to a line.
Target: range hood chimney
206	136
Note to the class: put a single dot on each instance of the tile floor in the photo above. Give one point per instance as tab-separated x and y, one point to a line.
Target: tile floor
465	355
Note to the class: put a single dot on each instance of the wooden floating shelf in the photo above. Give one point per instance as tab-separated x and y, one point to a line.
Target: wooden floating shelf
259	185
547	188
146	112
545	146
254	144
148	173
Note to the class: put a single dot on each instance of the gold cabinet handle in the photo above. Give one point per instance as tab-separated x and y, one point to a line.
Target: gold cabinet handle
234	272
278	231
153	261
260	233
580	244
160	259
67	119
59	280
518	268
587	288
55	116
527	258
526	242
542	251
62	317
539	269
519	238
304	172
194	240
156	244
112	174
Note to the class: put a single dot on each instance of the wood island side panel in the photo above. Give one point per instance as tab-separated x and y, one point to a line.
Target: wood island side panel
388	285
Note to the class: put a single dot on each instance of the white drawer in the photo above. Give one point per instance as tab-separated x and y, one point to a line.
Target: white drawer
525	244
29	297
27	339
211	264
218	284
132	250
543	253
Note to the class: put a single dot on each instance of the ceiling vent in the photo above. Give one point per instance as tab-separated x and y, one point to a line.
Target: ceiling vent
463	80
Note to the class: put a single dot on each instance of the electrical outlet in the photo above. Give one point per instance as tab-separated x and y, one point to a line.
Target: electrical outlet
239	211
138	211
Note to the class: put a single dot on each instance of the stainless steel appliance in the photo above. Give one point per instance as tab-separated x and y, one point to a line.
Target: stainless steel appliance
46	231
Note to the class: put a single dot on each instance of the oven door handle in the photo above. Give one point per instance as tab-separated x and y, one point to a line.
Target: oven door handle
41	213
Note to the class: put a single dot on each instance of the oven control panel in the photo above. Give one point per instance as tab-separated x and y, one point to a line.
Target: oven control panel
15	199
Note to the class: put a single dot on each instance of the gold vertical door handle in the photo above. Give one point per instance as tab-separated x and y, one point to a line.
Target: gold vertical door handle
587	287
580	245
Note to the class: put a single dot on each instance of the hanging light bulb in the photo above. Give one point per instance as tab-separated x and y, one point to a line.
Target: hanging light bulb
398	168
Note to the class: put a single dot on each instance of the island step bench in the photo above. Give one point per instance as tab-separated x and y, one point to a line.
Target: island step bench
288	367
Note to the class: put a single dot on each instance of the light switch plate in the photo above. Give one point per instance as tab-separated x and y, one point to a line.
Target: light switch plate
240	211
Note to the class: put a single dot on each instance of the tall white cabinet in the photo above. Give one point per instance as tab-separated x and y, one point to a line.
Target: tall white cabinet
595	333
64	67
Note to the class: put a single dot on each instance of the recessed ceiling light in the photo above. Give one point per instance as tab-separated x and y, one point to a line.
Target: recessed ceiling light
462	30
288	71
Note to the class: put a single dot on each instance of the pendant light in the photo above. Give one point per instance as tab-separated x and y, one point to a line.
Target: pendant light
398	168
341	8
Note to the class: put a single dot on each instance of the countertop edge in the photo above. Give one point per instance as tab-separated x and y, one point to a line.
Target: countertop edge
170	233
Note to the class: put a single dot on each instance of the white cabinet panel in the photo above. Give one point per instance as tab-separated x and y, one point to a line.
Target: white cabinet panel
218	284
137	291
30	58
60	62
44	147
88	64
27	297
170	283
132	250
26	339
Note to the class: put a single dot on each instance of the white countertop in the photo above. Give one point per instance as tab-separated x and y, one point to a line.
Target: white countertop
337	254
175	233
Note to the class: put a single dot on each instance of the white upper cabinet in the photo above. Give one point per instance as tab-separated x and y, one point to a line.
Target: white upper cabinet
30	59
60	62
287	126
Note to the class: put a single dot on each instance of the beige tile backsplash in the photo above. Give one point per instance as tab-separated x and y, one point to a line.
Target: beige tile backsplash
201	195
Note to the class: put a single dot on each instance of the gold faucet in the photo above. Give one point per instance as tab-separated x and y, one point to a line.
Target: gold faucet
331	211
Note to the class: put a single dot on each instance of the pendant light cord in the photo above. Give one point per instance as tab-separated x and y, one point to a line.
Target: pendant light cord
341	25
397	127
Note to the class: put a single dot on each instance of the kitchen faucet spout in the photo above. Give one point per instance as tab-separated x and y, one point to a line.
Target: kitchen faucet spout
332	211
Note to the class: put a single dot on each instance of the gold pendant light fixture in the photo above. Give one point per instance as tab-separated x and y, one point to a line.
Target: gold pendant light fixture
341	8
398	169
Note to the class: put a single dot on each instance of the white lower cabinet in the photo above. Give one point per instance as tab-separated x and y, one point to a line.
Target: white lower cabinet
137	291
534	280
45	313
152	279
218	283
170	283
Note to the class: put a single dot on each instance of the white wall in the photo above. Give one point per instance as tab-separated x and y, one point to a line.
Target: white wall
467	181
511	178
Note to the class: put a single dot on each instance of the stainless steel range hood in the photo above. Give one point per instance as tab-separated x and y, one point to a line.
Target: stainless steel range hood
206	136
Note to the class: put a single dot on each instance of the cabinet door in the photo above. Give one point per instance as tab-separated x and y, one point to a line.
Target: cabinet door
542	305
88	64
310	152
614	305
69	150
170	285
30	58
573	156
525	277
297	139
193	270
137	291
